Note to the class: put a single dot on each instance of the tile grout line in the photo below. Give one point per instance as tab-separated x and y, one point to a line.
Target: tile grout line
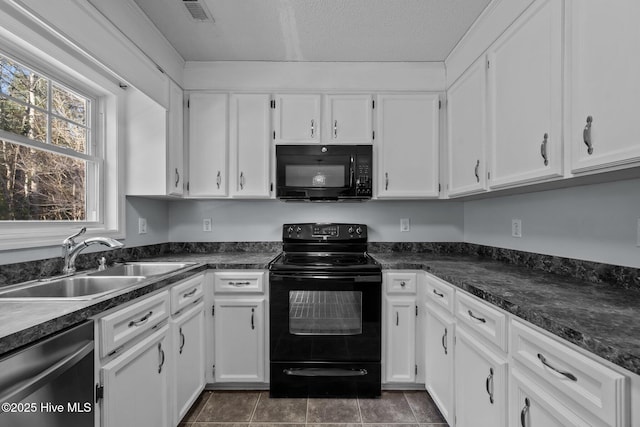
359	410
410	408
255	407
209	394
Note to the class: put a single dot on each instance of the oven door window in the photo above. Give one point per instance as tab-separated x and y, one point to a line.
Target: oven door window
316	175
325	312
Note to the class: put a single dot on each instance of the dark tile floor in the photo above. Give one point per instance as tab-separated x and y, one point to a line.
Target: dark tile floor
255	408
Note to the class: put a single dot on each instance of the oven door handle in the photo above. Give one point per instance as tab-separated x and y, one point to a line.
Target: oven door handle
353	278
325	372
351	171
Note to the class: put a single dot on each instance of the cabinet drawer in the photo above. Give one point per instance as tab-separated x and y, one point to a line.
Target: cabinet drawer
439	293
119	327
186	292
239	281
400	283
483	319
589	384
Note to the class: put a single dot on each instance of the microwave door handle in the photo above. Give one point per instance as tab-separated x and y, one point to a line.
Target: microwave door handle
351	172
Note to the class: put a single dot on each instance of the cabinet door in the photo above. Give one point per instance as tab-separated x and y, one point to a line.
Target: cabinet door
532	406
208	144
188	354
408	135
250	137
467	131
350	119
297	118
525	90
604	83
136	392
480	383
239	340
400	338
175	167
439	335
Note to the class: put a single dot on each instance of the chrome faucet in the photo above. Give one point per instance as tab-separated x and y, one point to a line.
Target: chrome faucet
71	249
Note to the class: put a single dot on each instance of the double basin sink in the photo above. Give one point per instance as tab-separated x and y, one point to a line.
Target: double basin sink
88	286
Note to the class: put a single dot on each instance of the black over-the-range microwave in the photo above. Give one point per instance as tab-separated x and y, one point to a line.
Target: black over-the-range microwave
324	172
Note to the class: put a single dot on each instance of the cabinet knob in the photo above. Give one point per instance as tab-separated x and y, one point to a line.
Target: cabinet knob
586	135
403	284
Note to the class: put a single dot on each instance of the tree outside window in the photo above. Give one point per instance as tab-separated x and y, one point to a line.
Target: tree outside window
46	158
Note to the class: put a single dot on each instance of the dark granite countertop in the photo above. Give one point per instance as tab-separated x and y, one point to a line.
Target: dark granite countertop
22	322
598	317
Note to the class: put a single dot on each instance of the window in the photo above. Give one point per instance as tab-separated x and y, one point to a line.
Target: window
49	160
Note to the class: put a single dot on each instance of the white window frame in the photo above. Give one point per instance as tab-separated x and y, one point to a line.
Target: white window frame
107	107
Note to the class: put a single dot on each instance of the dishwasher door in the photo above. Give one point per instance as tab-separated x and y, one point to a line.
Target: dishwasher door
50	383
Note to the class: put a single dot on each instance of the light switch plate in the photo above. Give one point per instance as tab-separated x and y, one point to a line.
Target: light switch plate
516	228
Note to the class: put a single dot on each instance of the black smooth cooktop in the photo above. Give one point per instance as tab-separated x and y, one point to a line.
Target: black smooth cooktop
330	261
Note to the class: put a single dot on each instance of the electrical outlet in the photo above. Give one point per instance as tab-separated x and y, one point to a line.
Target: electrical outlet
207	224
405	225
516	228
142	225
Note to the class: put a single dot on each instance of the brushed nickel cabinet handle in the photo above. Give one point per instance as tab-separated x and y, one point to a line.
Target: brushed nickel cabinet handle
218	180
438	294
564	373
444	341
162	359
386	180
335	129
586	135
397	318
476	170
252	316
480	319
242	180
313	128
142	320
524	412
177	177
190	293
182	341
543	149
489	385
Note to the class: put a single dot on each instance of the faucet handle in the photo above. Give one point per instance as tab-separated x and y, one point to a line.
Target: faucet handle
69	240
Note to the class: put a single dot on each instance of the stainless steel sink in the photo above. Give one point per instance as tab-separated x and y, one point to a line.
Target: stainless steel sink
69	288
147	269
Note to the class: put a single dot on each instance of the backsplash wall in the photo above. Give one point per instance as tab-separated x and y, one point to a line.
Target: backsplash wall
595	222
245	220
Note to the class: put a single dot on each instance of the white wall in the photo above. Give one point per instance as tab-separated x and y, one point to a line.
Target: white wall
592	222
156	212
244	220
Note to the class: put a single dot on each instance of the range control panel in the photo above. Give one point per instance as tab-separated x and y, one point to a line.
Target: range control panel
325	231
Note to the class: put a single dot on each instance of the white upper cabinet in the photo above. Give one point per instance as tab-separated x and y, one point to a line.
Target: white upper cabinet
250	145
350	119
407	138
604	83
525	97
175	162
208	145
154	144
296	118
467	131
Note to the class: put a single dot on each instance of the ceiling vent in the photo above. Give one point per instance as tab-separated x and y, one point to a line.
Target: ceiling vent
197	10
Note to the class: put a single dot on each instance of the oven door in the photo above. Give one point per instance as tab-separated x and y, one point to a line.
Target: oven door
325	317
315	172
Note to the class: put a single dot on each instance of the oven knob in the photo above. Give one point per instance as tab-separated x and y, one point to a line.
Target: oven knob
358	230
298	229
350	230
290	230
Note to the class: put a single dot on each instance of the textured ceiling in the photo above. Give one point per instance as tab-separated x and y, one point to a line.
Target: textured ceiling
316	30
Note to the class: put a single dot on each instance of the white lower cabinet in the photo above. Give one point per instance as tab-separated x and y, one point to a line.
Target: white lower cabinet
187	329
239	327
439	334
480	383
136	390
532	406
400	346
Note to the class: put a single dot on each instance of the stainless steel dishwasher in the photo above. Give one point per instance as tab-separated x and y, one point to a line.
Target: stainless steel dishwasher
50	383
